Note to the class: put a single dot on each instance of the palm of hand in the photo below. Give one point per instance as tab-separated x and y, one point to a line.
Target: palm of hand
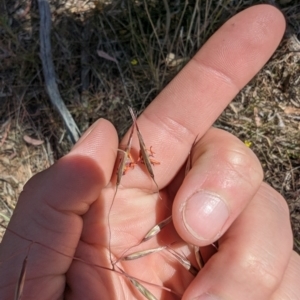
133	214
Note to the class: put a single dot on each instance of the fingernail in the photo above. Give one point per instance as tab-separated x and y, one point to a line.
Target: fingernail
85	135
204	215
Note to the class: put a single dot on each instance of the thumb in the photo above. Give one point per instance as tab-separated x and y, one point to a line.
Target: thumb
224	177
47	216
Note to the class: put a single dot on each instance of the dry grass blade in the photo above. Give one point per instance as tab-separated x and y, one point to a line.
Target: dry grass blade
21	280
151	233
199	258
143	253
145	156
4	217
120	172
184	262
142	289
156	229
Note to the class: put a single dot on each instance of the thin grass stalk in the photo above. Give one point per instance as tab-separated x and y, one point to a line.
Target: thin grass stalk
168	20
188	38
142	289
198	256
175	38
21	280
140	39
217	13
143	253
118	271
184	262
124	86
154	29
150	234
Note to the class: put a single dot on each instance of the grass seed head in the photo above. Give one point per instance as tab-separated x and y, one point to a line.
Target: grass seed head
142	289
157	229
143	253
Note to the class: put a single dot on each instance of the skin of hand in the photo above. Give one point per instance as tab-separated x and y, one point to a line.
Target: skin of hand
64	208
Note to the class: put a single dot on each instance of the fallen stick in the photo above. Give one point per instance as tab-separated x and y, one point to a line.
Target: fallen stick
49	73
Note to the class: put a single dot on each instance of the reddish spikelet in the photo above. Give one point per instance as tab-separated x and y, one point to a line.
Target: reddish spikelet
143	151
122	168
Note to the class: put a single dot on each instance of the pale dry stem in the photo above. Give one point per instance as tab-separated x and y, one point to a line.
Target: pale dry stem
143	150
157	229
21	279
143	253
184	262
142	289
120	172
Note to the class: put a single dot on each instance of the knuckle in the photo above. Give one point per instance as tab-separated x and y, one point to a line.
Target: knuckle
237	164
273	198
217	71
175	129
261	271
243	161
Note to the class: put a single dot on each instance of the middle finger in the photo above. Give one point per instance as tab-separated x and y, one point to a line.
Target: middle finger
193	100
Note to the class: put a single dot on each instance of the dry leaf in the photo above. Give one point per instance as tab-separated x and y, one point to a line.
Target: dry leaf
106	56
32	141
257	118
291	110
172	61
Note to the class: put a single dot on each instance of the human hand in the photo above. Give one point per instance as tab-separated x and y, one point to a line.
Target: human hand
64	209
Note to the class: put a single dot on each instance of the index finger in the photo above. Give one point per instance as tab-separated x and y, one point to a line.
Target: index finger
194	99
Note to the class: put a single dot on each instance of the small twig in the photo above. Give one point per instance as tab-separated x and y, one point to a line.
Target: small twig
49	73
